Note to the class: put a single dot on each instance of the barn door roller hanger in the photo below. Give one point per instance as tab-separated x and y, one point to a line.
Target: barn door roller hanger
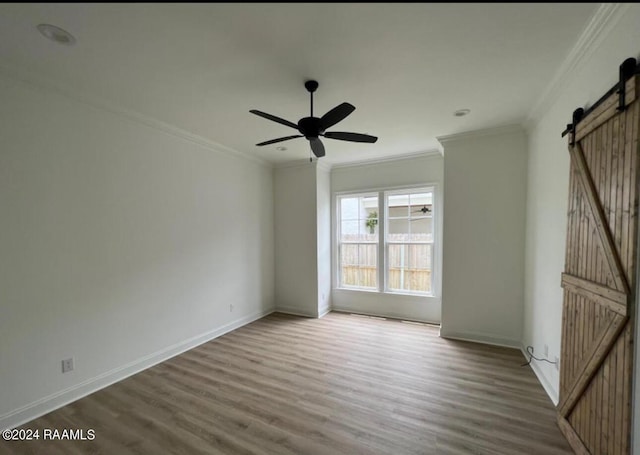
627	69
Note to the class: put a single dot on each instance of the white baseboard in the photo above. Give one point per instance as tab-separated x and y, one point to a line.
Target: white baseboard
54	401
389	315
542	379
484	339
294	311
324	311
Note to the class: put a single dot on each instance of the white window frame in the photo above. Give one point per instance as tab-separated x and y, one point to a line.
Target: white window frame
422	189
339	242
382	256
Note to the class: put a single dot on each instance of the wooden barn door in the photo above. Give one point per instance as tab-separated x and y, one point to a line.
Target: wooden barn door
594	411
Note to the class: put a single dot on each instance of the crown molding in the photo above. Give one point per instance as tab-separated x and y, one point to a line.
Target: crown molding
505	129
598	28
386	160
37	82
324	165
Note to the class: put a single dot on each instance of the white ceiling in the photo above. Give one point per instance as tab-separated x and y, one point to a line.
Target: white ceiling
405	66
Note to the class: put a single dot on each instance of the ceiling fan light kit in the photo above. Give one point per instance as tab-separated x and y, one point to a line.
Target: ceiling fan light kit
312	128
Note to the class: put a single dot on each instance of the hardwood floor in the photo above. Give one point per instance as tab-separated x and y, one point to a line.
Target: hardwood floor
343	384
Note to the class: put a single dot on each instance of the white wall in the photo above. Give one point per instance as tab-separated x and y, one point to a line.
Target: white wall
323	217
419	170
484	226
548	183
296	247
120	245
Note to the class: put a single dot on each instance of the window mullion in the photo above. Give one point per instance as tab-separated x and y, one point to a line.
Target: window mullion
382	256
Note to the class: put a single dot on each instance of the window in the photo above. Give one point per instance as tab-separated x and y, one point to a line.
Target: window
358	241
385	241
409	241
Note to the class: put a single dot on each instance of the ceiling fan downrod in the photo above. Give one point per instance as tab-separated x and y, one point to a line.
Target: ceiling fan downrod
311	87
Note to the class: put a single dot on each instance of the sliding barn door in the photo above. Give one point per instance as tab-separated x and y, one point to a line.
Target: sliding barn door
594	411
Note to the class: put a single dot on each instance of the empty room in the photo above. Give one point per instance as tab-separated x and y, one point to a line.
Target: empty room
332	228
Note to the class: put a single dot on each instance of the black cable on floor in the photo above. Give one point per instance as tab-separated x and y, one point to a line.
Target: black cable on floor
532	357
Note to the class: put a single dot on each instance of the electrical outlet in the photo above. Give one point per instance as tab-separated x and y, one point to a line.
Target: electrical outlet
546	351
67	365
557	363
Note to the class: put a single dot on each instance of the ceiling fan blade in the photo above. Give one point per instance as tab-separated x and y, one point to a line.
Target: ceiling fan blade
317	147
353	137
274	118
280	139
335	115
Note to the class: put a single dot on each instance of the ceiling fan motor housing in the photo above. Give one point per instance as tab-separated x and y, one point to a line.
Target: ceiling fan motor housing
310	127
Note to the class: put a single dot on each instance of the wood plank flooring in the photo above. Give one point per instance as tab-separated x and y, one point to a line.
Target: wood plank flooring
343	384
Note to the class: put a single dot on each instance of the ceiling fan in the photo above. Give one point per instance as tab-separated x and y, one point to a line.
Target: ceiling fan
312	128
424	210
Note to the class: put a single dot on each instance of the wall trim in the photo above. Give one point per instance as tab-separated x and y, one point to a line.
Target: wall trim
61	398
293	311
407	156
36	82
483	339
542	379
599	26
504	129
324	311
391	315
324	165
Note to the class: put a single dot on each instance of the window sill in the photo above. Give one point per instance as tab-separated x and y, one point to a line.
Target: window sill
389	293
370	291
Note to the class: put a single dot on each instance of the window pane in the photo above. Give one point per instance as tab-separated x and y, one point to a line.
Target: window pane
421	230
398	267
349	254
358	265
349	231
358	224
349	276
398	205
369	228
368	271
398	254
421	199
420	268
420	256
349	208
410	267
398	212
398	230
368	255
349	265
421	203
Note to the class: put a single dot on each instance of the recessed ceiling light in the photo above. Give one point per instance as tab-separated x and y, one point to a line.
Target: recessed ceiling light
56	34
461	112
281	148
